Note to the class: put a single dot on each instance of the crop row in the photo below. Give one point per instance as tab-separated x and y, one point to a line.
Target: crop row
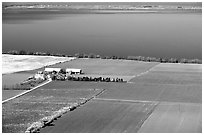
20	113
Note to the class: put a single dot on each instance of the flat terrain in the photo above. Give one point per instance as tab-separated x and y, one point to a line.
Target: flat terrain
174	118
166	77
174	67
137	91
6	94
15	78
177	88
157	98
155	92
103	117
108	67
10	80
16	63
18	114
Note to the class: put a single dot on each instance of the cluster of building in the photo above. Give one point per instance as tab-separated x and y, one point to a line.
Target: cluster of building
68	74
56	73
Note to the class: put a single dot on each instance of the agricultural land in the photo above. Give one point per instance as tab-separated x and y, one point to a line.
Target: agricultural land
157	97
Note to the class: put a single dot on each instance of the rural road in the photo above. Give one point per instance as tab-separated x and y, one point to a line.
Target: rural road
26	91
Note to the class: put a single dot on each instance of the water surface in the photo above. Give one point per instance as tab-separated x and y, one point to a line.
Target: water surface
146	34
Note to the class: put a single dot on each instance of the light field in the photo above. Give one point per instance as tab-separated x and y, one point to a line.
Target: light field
174	118
103	117
174	67
176	78
16	63
108	67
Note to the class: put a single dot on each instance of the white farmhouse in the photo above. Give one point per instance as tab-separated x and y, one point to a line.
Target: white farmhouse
73	71
52	69
39	76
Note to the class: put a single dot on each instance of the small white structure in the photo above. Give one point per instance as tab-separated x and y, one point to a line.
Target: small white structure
39	76
40	72
73	71
52	69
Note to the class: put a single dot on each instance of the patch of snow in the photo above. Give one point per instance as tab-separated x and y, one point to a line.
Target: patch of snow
15	63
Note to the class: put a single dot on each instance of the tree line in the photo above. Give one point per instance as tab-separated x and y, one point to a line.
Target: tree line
95	79
91	55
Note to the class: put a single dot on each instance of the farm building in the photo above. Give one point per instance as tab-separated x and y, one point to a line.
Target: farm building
52	69
39	76
73	71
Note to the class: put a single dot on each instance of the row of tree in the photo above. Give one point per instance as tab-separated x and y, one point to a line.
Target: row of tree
95	79
91	79
91	55
23	52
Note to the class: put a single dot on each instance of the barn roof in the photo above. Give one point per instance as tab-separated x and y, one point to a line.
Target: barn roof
52	69
73	70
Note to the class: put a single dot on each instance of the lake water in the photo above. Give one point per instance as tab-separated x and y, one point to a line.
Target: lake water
175	35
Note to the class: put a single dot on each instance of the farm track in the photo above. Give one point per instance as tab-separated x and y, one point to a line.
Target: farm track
123	100
26	92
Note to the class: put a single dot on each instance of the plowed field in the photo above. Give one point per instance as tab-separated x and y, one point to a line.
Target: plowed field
103	117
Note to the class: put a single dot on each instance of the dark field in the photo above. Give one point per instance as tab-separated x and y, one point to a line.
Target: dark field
10	93
15	78
103	117
10	80
137	91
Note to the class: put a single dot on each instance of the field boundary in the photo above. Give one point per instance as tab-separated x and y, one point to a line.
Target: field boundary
149	70
142	73
123	100
47	120
26	91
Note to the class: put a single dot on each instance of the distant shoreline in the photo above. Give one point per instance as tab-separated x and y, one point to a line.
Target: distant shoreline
106	7
91	55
